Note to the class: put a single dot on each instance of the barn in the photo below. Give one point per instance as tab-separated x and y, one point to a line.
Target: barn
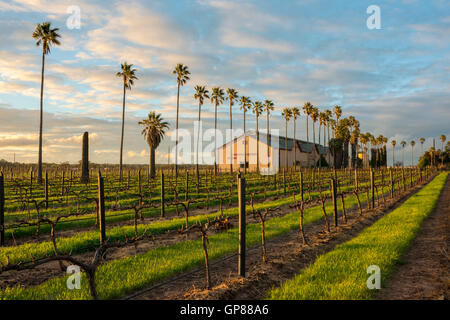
273	152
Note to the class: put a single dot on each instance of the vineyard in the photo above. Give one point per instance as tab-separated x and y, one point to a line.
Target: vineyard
140	234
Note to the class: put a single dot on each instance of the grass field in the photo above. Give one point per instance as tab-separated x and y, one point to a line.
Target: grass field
341	273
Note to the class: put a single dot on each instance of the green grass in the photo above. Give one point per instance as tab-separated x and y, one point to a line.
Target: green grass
123	276
341	273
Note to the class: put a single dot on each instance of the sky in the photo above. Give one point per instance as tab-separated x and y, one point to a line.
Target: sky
395	80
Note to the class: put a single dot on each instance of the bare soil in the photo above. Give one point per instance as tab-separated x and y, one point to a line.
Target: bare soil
425	272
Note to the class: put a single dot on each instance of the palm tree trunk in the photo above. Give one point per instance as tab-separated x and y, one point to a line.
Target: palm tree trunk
152	168
293	148
198	139
215	140
307	129
41	114
285	148
176	143
393	156
245	148
314	140
121	137
231	136
257	145
268	141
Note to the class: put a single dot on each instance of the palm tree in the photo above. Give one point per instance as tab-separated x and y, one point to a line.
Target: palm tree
268	106
295	115
245	103
45	36
314	114
443	138
154	131
182	73
257	110
232	95
413	143
307	108
364	139
128	75
286	114
217	97
337	110
200	94
422	141
393	142
403	144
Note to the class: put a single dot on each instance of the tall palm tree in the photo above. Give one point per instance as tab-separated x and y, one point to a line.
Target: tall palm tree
295	115
128	75
337	110
182	73
154	131
217	97
200	94
364	139
413	143
245	103
46	37
257	110
403	144
422	141
268	107
307	108
314	114
393	142
443	138
286	114
328	115
232	96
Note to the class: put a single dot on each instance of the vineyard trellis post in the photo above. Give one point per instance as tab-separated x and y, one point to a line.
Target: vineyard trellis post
162	195
101	208
2	209
392	183
356	179
334	198
85	159
46	190
301	185
241	197
372	188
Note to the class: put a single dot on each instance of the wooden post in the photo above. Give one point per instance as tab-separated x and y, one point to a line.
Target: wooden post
85	159
392	183
2	209
284	180
334	198
372	188
139	181
101	208
31	183
356	179
46	190
163	204
241	197
403	179
301	185
186	193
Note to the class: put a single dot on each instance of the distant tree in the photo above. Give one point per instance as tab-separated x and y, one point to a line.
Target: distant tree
295	115
232	96
46	37
182	73
257	110
393	142
154	131
200	94
128	75
217	97
245	106
286	114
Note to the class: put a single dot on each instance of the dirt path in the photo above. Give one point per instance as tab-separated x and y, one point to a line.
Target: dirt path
286	257
425	273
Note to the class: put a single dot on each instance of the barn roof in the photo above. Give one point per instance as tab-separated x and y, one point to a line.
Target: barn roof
286	143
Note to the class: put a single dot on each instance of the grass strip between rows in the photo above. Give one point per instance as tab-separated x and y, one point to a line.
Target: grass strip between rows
342	273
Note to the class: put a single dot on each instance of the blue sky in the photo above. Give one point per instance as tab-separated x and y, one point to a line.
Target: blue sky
395	80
